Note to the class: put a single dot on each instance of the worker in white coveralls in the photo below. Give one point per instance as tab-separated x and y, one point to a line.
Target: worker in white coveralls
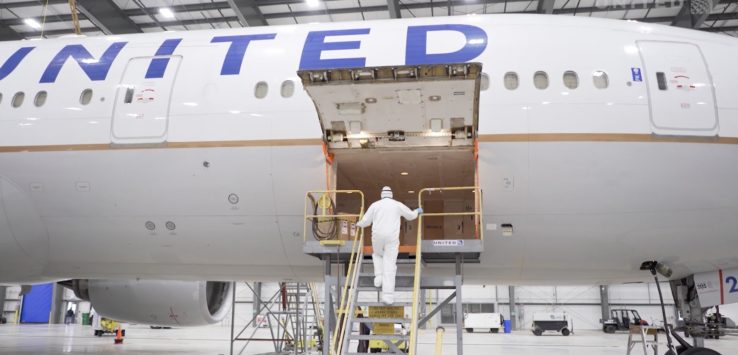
384	217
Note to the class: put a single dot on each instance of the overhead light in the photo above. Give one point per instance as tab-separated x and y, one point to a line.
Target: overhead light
404	173
32	23
166	12
312	3
411	192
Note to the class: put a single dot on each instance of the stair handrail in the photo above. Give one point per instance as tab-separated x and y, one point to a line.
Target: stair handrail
347	298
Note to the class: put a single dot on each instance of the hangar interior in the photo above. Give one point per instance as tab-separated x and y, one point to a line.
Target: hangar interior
35	320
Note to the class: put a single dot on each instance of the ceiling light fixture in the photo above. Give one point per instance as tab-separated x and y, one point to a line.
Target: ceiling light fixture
32	23
166	12
404	173
312	3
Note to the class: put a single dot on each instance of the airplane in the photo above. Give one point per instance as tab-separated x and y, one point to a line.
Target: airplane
186	156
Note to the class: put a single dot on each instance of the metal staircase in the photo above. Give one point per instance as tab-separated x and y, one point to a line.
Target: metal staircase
347	306
396	343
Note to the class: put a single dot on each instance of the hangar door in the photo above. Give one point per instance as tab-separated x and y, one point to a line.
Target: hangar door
680	89
141	110
37	304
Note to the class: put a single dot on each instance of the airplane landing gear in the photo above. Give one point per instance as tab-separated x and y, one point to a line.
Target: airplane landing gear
687	300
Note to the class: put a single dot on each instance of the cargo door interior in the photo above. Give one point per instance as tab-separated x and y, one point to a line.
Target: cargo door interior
405	127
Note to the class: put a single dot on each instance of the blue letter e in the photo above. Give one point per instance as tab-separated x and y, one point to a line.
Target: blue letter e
417	45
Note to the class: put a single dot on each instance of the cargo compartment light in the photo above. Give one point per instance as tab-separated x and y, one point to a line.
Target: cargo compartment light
355	127
436	125
350	108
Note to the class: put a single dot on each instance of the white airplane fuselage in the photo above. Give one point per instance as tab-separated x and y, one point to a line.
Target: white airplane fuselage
594	180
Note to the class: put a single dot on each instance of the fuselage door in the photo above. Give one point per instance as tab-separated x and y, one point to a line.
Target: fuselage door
680	89
141	110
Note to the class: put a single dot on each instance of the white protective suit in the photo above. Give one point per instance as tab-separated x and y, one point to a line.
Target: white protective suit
384	217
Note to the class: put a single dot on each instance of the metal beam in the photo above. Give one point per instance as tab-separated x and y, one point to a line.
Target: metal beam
248	13
546	6
107	16
394	8
694	16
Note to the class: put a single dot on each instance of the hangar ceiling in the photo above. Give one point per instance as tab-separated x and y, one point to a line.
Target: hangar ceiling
52	18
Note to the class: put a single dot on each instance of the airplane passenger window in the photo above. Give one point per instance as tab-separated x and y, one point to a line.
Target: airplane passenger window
601	81
571	80
18	99
484	83
540	80
511	81
288	88
85	97
40	99
261	90
1	98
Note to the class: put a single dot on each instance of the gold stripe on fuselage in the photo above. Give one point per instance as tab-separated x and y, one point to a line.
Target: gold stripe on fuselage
485	138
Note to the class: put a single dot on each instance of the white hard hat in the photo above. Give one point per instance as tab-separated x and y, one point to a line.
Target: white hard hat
386	192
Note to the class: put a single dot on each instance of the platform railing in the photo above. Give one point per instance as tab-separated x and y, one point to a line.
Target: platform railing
324	211
479	234
324	208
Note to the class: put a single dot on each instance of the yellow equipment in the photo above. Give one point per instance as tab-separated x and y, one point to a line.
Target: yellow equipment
107	326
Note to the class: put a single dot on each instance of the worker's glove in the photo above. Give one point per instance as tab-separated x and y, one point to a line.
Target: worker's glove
419	210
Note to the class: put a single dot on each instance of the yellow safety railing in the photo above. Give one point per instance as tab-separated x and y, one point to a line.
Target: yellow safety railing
347	301
479	234
347	298
324	201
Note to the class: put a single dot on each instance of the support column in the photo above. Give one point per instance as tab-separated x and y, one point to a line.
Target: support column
513	308
233	315
256	304
459	309
57	304
423	307
3	290
605	302
327	309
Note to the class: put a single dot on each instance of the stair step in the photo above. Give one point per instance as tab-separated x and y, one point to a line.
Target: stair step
382	320
388	337
371	274
380	304
375	289
369	261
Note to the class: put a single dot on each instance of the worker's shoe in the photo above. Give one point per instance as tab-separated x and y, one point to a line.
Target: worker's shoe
377	281
388	300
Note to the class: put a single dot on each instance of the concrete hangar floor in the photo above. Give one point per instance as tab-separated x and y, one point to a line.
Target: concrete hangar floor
141	340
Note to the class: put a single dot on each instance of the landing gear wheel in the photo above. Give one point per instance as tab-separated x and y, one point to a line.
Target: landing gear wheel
538	332
700	351
494	330
565	332
610	329
469	330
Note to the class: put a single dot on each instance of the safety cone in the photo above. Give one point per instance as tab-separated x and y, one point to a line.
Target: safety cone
119	336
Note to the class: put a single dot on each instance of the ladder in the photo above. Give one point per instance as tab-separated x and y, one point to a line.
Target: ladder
396	343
